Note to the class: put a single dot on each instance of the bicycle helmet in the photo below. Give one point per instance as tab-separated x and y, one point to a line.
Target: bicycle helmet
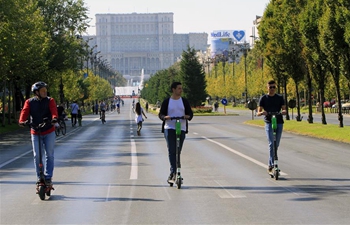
38	85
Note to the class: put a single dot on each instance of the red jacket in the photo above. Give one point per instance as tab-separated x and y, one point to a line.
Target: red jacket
39	109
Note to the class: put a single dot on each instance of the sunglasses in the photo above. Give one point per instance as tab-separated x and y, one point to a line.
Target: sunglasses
272	87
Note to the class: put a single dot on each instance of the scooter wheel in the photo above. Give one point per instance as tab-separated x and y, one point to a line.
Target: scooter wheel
275	173
48	192
178	183
171	184
42	192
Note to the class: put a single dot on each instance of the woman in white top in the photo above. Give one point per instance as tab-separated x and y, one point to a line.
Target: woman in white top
138	117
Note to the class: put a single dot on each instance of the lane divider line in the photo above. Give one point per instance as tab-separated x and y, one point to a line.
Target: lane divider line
134	161
240	154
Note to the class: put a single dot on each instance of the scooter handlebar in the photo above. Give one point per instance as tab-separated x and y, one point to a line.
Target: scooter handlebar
177	118
274	113
37	126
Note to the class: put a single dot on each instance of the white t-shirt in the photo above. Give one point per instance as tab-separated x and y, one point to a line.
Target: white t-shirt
138	118
176	108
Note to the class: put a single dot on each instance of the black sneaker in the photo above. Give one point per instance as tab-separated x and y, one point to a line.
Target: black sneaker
48	182
38	181
269	169
171	178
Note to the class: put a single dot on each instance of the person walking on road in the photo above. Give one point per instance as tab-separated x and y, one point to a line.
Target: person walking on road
39	107
74	113
272	102
138	117
80	117
174	106
146	107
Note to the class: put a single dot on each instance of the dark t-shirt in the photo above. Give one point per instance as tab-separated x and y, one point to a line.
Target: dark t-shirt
272	104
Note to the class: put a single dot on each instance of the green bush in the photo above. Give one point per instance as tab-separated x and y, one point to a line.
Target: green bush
202	109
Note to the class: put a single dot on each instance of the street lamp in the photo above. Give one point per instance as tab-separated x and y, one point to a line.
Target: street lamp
245	71
89	53
94	61
208	62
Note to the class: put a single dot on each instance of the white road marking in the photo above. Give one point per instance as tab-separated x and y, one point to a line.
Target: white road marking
134	166
223	192
134	162
108	191
240	154
14	159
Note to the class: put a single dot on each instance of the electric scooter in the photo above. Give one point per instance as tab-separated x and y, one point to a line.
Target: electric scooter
178	178
275	173
42	187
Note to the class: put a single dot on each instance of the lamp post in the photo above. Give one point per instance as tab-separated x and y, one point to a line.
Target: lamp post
245	71
94	61
207	63
89	53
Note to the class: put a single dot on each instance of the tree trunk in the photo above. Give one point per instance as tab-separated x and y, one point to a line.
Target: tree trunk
298	117
310	119
337	86
322	106
286	98
9	106
3	102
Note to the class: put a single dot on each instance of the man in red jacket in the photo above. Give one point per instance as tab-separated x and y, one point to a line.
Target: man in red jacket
41	107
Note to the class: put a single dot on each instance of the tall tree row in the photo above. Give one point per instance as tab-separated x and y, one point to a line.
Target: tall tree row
307	41
42	40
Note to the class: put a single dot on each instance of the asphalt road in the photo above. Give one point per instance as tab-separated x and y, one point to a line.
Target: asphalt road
106	174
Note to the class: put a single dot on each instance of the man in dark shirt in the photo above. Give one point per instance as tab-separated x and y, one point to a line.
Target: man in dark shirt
272	102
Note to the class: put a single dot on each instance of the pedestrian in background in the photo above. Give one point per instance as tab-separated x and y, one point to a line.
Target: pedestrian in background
74	107
138	117
96	108
146	107
80	117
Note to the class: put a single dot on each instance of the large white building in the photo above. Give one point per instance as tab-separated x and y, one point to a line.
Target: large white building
131	42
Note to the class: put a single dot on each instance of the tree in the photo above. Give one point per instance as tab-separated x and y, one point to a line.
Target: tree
314	57
23	47
273	38
192	77
332	40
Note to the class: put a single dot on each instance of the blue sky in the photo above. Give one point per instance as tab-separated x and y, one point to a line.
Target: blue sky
189	15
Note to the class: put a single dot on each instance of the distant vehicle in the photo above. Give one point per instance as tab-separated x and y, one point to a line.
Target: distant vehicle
343	105
346	105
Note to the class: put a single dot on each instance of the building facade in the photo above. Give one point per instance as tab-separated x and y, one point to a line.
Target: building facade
136	41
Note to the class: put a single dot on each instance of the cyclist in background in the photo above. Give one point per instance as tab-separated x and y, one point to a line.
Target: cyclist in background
272	102
61	112
103	110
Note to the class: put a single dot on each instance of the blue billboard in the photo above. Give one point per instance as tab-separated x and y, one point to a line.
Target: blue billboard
221	40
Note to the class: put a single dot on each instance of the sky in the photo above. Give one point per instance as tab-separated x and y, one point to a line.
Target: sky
190	16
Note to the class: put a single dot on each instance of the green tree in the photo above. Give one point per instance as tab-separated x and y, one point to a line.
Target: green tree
314	57
23	47
192	77
273	38
332	40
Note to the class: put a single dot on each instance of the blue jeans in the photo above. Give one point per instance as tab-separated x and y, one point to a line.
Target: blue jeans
47	150
269	134
170	137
